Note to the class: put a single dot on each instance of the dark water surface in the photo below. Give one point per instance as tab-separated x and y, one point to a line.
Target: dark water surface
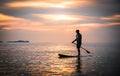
42	60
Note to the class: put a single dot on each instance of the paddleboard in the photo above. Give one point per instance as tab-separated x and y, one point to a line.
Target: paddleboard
66	56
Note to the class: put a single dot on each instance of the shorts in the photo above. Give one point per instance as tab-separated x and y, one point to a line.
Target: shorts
78	45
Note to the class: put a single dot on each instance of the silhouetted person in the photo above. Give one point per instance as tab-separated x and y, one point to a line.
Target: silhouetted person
78	40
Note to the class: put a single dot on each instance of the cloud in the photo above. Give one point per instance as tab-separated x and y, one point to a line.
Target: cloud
113	20
8	21
6	17
24	8
50	4
115	17
64	19
14	23
59	17
2	27
48	22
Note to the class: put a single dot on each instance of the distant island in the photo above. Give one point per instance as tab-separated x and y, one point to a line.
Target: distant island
18	41
1	41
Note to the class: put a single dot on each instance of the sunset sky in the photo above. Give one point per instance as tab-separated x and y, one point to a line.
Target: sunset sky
57	20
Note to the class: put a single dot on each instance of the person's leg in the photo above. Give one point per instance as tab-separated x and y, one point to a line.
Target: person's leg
78	48
78	51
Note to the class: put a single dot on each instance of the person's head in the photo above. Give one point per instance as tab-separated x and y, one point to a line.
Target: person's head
77	31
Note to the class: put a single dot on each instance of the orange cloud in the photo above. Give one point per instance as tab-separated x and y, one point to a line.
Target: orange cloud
6	17
51	4
24	25
111	18
113	23
7	21
38	4
87	26
62	18
11	23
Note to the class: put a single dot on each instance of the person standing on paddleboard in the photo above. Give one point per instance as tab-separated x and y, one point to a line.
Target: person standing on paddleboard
78	40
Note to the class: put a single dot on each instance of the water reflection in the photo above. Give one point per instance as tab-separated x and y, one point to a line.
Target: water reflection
79	66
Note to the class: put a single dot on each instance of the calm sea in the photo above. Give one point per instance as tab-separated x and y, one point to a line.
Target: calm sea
38	59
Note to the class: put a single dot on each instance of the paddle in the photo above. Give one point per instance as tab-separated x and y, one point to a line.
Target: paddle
83	48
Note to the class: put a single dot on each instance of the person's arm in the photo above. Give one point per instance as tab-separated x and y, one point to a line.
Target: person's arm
74	41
